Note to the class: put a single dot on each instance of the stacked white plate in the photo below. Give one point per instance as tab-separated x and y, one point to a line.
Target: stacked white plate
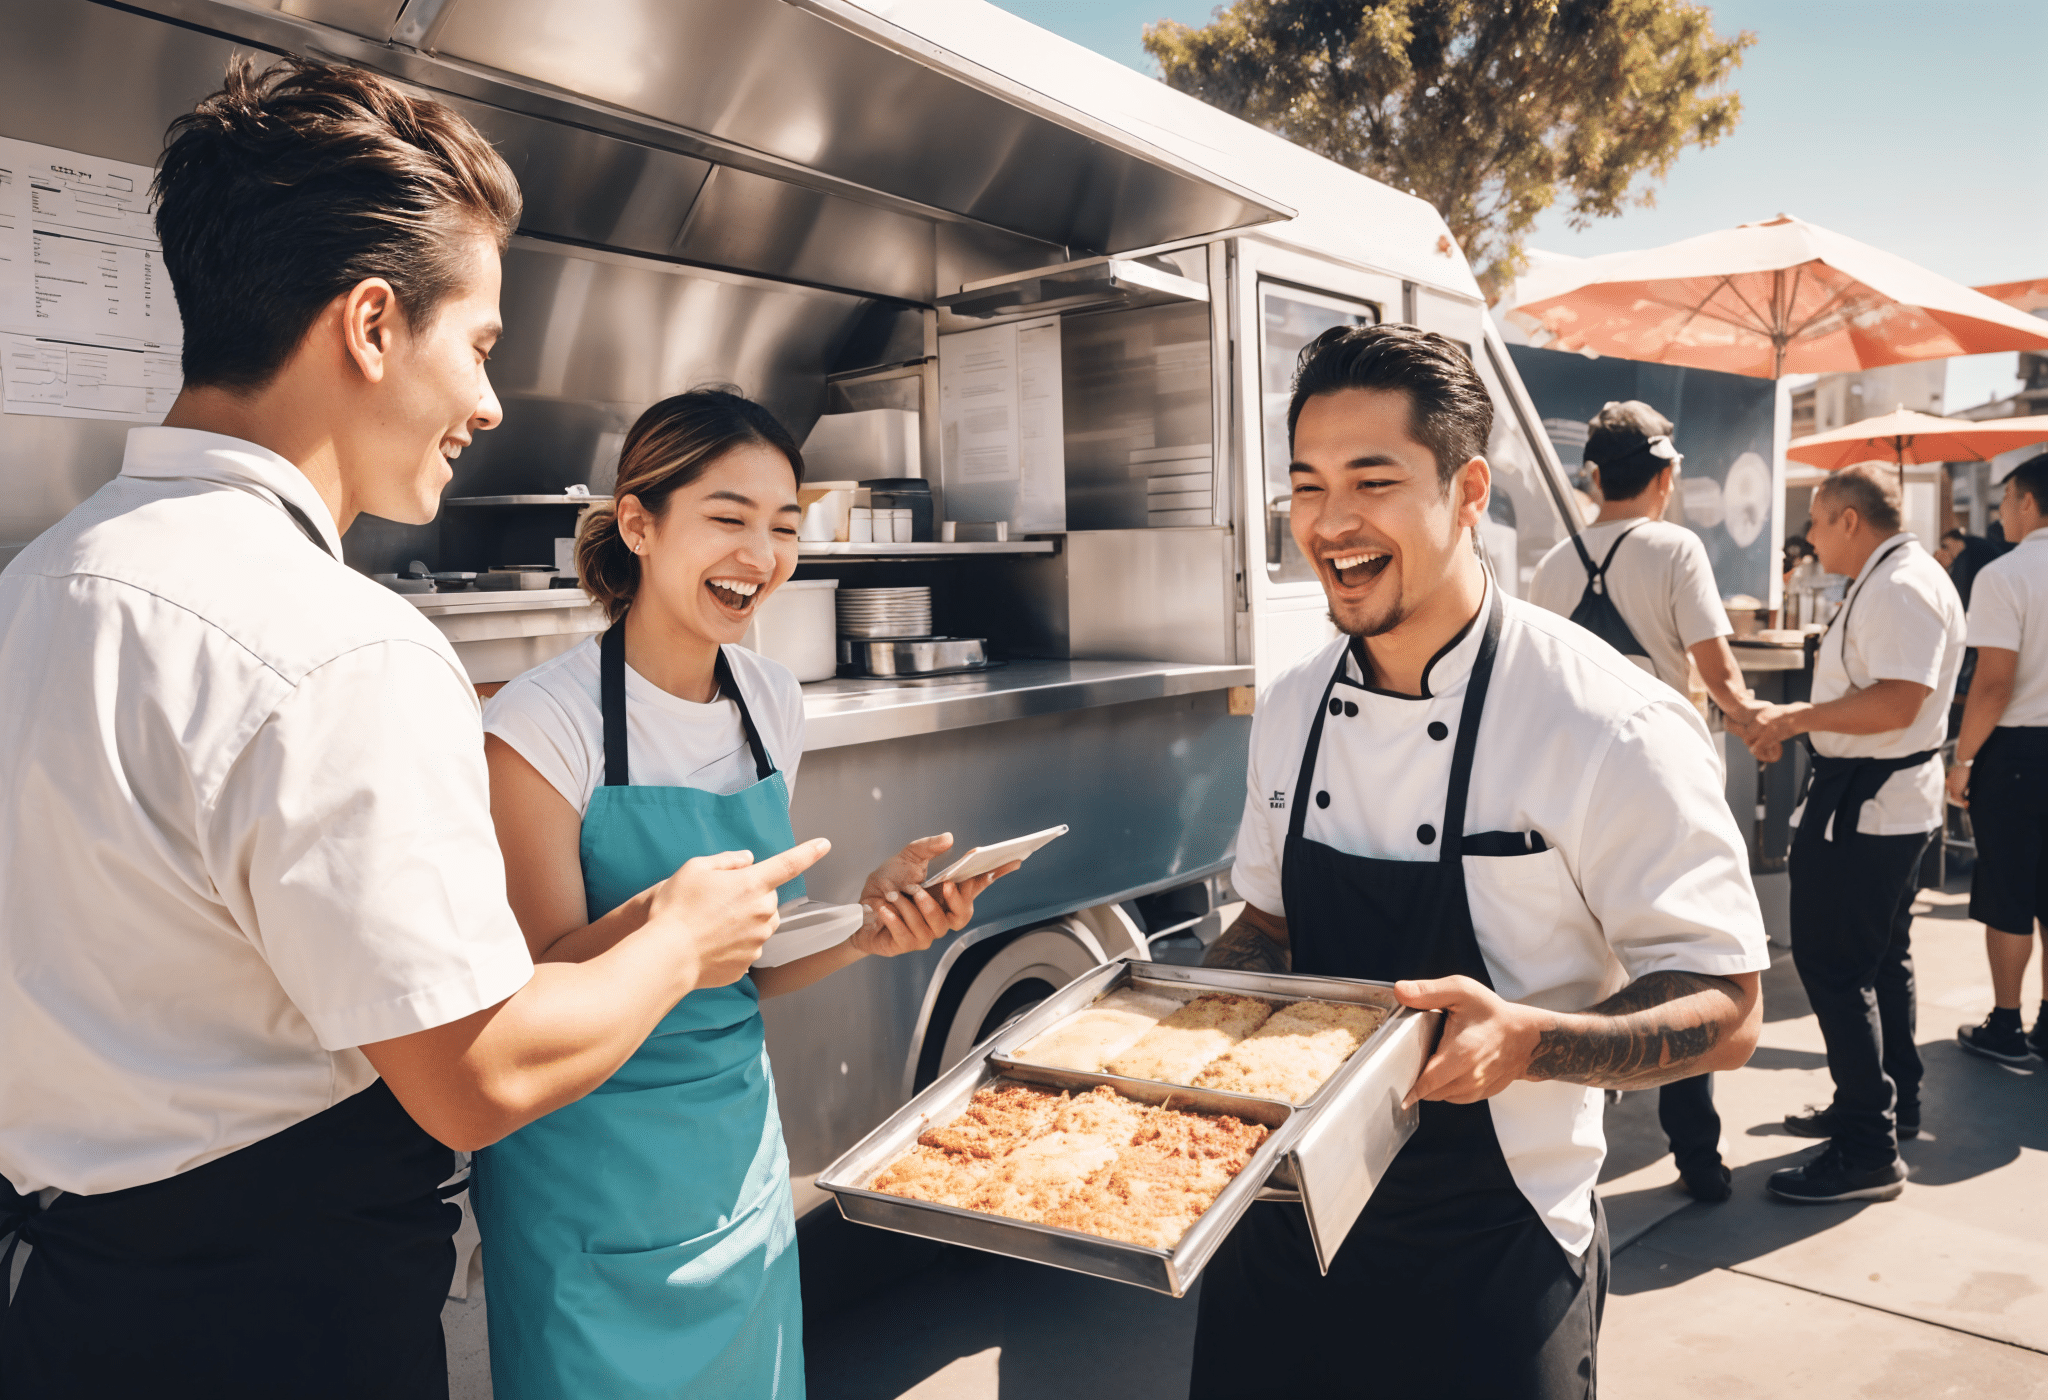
885	612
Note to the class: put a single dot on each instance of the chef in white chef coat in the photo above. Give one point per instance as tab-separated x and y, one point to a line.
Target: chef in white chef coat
1488	805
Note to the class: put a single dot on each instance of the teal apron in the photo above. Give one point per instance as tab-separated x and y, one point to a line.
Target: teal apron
640	1242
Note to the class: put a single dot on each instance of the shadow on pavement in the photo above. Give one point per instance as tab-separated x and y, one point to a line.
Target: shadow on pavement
1052	1328
1784	998
1771	1057
1744	1228
1976	1115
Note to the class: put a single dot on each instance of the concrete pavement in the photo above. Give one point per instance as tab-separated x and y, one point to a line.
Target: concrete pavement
1941	1292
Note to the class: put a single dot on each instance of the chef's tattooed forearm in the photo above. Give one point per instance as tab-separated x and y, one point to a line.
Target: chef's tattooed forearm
1651	1032
1248	948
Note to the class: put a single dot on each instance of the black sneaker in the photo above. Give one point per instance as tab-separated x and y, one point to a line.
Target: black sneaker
1712	1184
1820	1122
2008	1047
1829	1177
2038	1036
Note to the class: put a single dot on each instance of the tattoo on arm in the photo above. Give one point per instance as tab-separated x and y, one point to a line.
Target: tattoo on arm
1653	1031
1248	948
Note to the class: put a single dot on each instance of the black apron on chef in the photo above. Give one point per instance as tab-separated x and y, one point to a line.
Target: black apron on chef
1450	1284
1596	611
310	1265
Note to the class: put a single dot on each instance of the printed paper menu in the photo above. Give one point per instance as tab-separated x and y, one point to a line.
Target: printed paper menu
88	324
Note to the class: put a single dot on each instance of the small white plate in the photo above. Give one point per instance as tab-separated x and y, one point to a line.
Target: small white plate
808	928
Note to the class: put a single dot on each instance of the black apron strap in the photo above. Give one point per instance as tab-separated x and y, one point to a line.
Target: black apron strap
612	707
305	524
1453	837
1850	603
611	685
728	685
1597	574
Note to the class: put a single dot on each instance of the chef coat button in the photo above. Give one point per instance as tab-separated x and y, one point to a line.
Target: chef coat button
1336	707
1350	708
1439	730
1322	799
1425	833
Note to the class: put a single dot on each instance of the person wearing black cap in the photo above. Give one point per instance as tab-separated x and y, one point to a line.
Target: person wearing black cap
1473	799
1882	679
1655	603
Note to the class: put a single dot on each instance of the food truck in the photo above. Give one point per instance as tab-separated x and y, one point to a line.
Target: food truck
966	261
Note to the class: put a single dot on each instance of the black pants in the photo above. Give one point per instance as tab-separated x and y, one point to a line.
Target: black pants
310	1266
1493	1314
1852	921
2009	816
1685	1110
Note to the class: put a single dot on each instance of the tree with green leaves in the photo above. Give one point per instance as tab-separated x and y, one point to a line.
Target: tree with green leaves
1492	110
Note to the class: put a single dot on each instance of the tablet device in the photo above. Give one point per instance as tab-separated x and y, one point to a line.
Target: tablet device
979	860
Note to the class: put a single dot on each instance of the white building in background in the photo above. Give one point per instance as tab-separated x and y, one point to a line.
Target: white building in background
1837	400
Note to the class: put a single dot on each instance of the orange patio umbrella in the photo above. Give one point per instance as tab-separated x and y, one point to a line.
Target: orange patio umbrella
1766	299
2028	294
1916	438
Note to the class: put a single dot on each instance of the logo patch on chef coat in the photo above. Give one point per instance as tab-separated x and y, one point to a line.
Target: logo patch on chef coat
1278	799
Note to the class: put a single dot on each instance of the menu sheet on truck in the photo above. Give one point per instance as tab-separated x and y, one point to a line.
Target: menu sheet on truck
88	325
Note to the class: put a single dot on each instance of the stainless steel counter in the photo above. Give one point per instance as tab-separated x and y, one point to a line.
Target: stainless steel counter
498	634
842	712
1768	657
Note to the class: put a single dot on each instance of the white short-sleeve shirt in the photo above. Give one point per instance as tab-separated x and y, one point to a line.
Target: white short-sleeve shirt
244	823
552	717
1645	869
1904	622
2009	609
1661	581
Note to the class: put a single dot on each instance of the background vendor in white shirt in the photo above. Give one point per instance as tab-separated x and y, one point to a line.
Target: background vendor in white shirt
258	975
1647	588
1486	803
2001	768
1881	686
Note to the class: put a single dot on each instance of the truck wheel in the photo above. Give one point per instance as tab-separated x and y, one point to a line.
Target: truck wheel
1014	977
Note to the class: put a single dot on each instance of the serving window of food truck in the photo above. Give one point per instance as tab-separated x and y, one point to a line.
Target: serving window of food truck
1289	318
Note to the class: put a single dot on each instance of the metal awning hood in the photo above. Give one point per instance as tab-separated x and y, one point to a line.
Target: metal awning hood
841	90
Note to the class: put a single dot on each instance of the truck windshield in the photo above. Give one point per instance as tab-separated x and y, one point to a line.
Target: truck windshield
1290	318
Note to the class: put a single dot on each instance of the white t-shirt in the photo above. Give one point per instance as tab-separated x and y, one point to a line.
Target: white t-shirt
1905	622
2009	609
1645	868
244	823
1661	582
551	717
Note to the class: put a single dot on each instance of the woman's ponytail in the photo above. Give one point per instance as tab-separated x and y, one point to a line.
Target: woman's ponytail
605	564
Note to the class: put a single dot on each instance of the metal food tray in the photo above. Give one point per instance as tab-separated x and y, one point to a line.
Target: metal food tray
1333	1149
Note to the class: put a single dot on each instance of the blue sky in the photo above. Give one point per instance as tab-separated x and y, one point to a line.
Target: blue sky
1913	127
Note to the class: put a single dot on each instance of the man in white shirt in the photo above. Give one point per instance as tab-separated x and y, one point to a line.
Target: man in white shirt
2001	768
1661	585
1882	681
258	975
1655	602
1486	805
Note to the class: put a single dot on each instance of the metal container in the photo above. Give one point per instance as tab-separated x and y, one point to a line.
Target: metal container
910	656
1332	1150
